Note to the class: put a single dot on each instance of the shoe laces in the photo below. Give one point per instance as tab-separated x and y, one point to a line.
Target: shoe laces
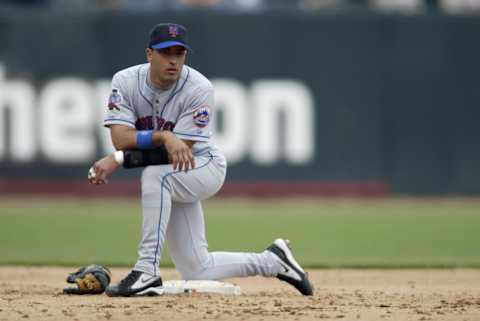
130	278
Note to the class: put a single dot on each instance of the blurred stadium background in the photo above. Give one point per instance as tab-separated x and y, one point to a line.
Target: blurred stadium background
351	127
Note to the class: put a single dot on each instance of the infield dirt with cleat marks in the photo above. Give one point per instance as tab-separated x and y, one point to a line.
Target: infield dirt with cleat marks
34	293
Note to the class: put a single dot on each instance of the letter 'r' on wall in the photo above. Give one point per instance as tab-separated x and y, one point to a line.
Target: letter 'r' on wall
295	101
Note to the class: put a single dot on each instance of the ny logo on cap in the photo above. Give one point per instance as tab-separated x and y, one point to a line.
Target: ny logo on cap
173	31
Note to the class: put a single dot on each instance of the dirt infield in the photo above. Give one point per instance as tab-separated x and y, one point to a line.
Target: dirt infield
35	294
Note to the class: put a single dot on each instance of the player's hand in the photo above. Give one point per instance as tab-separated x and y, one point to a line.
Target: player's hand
180	153
102	169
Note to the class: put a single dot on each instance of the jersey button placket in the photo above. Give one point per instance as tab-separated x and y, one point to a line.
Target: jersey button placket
157	112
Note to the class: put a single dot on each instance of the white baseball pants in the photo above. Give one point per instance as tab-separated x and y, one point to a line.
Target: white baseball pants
172	211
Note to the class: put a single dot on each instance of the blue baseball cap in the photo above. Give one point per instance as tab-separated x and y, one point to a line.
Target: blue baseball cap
166	35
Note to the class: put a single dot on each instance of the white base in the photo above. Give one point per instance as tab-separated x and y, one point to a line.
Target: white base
197	286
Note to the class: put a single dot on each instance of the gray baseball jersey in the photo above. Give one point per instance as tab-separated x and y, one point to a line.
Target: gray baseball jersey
185	109
171	200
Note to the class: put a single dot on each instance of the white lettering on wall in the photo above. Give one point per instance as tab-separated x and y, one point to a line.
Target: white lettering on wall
232	103
64	123
67	121
292	99
18	98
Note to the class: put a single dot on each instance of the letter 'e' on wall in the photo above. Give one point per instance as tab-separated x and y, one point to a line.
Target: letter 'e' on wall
66	121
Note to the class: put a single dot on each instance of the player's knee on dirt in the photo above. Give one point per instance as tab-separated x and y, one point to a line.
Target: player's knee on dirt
192	267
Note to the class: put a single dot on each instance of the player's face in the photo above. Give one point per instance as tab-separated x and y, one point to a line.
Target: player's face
166	64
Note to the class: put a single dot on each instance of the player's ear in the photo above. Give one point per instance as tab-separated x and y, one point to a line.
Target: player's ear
149	53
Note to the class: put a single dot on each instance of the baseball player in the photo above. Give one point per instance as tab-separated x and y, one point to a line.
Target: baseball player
160	115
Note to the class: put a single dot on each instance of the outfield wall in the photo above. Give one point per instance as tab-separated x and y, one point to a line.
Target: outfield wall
355	103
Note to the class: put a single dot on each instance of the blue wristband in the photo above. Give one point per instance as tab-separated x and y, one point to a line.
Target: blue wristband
144	139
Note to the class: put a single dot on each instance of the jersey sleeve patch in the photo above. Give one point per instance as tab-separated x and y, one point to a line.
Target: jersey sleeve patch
114	99
201	116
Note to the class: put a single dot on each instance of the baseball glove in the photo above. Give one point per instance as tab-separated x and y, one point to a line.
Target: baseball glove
92	279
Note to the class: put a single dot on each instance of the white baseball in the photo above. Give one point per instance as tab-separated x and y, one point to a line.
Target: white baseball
91	173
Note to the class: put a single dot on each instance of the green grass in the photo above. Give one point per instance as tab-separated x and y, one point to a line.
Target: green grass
324	233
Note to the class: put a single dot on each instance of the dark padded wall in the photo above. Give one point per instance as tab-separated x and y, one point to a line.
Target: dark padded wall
396	97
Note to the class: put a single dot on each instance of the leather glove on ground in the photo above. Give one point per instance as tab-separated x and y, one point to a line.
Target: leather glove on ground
92	279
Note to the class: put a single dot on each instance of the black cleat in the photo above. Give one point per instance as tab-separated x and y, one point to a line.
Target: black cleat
136	283
291	272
